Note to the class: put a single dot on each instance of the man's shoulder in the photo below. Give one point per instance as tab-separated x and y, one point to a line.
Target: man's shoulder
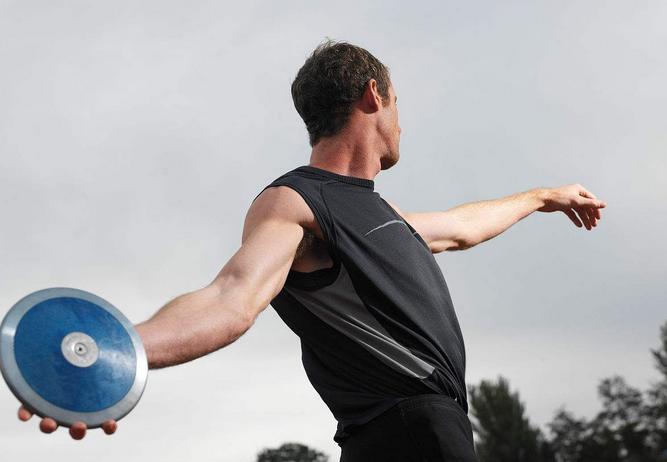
280	202
302	176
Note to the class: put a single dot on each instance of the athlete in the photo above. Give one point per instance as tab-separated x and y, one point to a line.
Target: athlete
353	276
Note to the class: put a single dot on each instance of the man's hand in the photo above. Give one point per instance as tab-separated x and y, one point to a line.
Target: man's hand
78	430
574	198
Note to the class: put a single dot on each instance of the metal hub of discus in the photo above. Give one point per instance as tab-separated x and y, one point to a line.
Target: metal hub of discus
80	349
72	356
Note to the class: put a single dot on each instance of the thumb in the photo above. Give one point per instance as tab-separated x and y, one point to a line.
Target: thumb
598	204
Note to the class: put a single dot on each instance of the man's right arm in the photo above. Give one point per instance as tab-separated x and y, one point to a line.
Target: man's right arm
201	322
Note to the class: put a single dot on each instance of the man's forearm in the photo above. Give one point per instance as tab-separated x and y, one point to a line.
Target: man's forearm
484	220
191	326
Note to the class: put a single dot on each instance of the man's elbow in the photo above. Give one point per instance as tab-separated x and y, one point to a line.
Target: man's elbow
450	245
244	322
235	321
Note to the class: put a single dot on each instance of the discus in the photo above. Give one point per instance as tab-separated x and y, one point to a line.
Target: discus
72	356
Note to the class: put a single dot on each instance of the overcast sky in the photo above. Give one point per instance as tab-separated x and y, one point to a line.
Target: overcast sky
134	136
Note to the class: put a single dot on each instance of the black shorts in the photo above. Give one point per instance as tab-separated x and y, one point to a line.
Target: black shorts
425	428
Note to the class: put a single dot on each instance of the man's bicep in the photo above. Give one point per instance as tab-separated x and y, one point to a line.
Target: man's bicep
258	270
271	235
438	229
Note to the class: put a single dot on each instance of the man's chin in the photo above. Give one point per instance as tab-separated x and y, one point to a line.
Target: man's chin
388	162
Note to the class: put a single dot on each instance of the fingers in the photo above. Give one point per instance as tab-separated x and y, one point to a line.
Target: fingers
570	213
78	431
110	427
48	425
589	208
592	209
583	216
591	216
593	203
24	414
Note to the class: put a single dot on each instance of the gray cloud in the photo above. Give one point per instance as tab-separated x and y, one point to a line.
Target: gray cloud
134	135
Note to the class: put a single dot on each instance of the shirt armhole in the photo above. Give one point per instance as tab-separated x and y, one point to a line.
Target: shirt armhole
322	277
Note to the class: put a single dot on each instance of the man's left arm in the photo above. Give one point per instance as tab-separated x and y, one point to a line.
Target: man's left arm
467	225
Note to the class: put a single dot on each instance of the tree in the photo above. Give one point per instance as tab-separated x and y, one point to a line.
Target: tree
505	434
292	452
577	440
657	407
619	433
630	428
626	417
657	399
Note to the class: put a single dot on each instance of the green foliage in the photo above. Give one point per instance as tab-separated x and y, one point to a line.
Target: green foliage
660	355
618	433
292	452
657	409
631	427
570	435
505	434
657	399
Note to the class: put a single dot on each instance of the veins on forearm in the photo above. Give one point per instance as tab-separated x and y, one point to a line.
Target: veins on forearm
484	220
190	326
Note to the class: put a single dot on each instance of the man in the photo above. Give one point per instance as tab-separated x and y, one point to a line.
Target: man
353	275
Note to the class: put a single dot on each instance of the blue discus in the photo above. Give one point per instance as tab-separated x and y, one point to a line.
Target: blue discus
72	356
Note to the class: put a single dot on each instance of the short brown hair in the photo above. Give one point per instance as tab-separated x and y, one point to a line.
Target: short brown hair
330	82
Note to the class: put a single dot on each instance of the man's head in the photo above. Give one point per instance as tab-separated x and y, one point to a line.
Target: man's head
335	78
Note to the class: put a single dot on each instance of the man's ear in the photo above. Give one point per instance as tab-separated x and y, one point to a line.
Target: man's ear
371	98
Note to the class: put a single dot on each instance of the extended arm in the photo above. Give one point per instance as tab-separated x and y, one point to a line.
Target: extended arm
203	321
470	224
198	323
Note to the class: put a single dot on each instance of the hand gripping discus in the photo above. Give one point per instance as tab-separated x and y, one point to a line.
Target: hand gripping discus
72	356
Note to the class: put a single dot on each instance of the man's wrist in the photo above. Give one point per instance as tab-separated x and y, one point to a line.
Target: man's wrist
541	197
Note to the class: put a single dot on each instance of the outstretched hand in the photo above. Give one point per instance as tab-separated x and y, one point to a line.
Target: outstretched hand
77	431
575	201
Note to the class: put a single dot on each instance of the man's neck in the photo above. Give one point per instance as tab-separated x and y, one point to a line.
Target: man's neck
345	156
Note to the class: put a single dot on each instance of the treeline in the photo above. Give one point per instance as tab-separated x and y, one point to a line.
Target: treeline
292	452
631	427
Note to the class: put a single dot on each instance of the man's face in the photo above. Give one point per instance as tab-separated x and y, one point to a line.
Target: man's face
391	131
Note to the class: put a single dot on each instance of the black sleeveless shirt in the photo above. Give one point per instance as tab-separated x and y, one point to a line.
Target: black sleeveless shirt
379	325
